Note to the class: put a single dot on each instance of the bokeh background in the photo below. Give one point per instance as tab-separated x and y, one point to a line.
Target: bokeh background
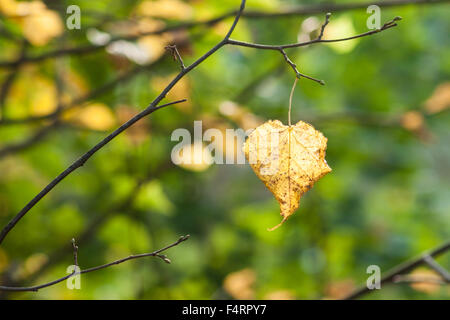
384	110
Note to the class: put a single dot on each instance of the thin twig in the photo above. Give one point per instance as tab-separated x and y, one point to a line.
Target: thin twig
281	48
297	73
324	25
152	107
156	253
386	26
176	55
402	269
437	268
97	222
79	163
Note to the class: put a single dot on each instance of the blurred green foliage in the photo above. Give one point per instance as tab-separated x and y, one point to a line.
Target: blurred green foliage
386	200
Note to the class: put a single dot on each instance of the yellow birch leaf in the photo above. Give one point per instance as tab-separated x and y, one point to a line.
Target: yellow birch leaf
288	159
95	116
168	9
39	29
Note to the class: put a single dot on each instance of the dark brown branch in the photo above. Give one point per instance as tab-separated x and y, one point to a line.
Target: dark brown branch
324	25
402	269
281	48
297	73
176	55
156	253
386	26
89	231
80	162
152	107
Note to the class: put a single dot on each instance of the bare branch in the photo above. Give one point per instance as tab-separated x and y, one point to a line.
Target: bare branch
281	48
98	220
402	269
386	26
75	252
152	107
176	55
79	163
322	29
156	253
297	73
437	267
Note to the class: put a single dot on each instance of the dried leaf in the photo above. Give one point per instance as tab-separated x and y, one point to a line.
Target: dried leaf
288	159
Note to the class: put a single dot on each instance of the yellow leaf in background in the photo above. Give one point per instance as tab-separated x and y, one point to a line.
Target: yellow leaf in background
239	284
95	116
134	27
412	120
431	280
39	25
32	94
167	9
182	90
288	159
341	27
39	29
154	46
194	157
439	100
34	262
8	7
45	97
25	8
279	295
74	83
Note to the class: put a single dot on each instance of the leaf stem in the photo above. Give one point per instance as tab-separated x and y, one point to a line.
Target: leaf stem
290	101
